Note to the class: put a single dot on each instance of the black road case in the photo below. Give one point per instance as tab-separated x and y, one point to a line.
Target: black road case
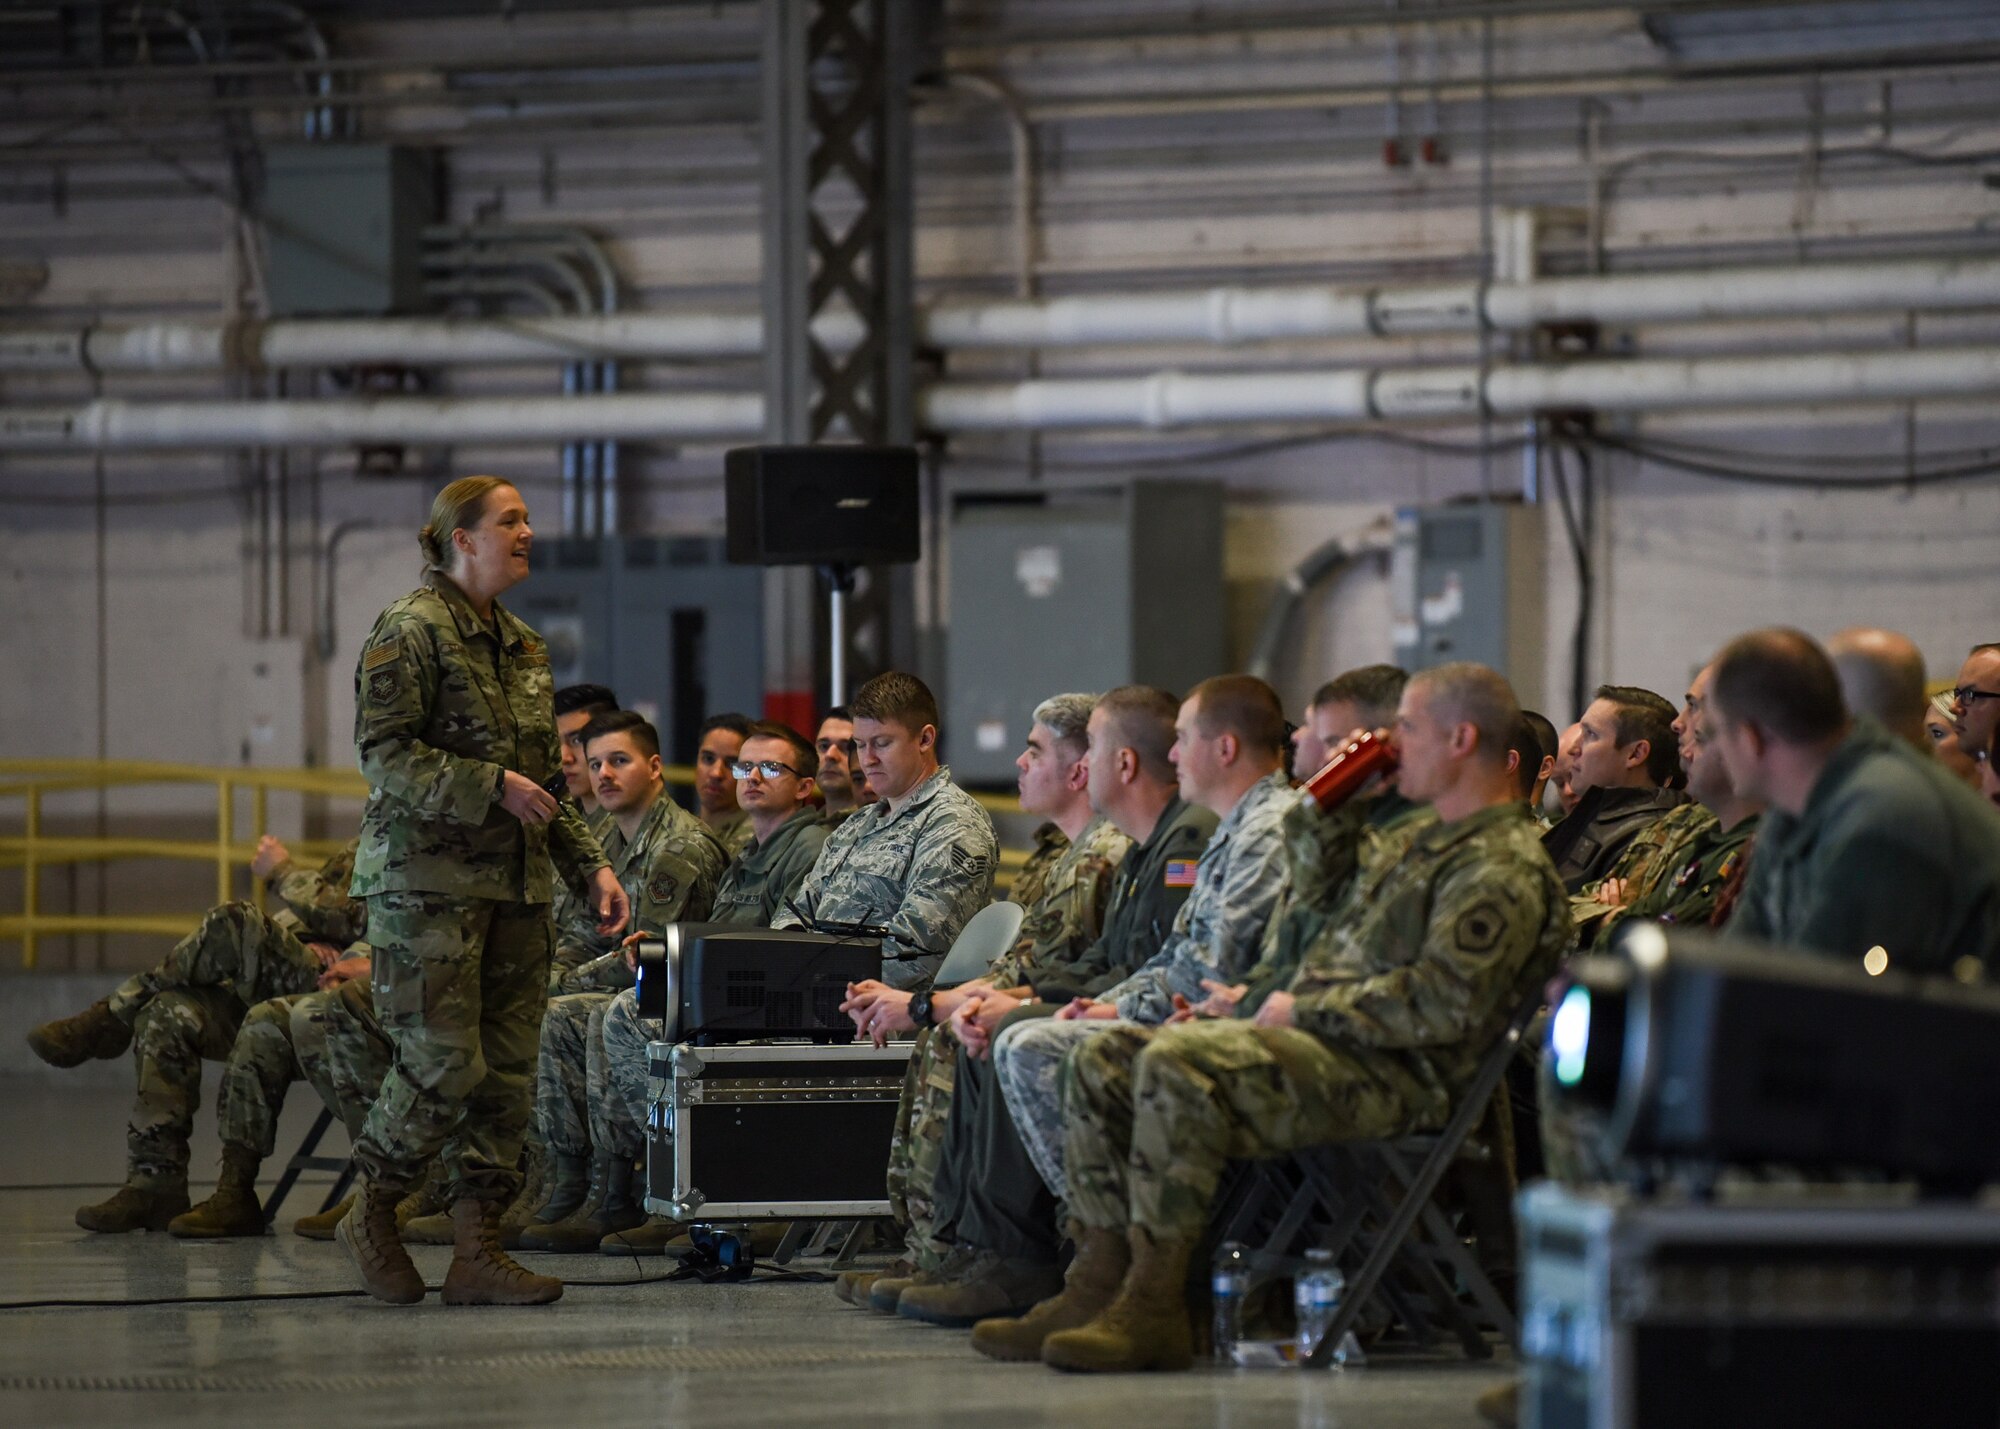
780	1131
1824	1309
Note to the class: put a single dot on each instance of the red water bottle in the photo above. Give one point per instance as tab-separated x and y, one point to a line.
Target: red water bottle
1352	765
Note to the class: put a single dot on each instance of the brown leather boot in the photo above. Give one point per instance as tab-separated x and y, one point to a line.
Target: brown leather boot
1146	1327
368	1234
853	1285
1091	1283
483	1274
320	1225
134	1208
233	1210
92	1034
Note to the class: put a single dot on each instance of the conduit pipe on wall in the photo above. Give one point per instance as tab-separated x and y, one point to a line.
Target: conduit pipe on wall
1223	315
1162	400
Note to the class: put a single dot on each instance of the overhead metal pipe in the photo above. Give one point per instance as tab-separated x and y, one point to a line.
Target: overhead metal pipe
1219	315
1164	400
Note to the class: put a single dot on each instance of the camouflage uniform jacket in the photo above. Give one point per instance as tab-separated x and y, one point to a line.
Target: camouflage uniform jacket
669	871
1220	928
755	887
734	833
318	908
1026	889
1147	893
1069	910
444	705
920	872
1434	949
1655	852
1324	853
1691	891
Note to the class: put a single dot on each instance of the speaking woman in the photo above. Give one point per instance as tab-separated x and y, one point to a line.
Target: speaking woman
455	726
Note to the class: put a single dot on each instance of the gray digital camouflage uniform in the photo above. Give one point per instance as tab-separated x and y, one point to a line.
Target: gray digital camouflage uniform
459	889
919	872
1217	936
1395	1006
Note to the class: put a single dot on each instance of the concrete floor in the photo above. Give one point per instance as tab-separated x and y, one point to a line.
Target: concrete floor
750	1355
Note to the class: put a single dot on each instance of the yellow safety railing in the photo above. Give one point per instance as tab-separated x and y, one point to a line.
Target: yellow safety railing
33	780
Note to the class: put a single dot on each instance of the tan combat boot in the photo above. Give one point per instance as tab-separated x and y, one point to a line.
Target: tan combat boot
320	1225
135	1208
1091	1283
368	1234
652	1238
520	1212
1146	1326
426	1202
853	1285
233	1209
483	1274
92	1034
1501	1405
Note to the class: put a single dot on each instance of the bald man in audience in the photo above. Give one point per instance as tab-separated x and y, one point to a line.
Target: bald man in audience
1882	676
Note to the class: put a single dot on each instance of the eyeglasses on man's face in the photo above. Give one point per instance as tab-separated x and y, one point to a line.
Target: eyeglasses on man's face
1966	694
769	768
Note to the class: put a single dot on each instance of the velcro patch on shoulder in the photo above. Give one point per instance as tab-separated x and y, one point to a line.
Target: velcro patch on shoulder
1180	872
661	887
386	653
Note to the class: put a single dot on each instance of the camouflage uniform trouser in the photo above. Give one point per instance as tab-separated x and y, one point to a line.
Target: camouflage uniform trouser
283	1041
564	1111
237	948
187	1010
459	985
621	1089
1156	1113
1028	1059
922	1113
351	1051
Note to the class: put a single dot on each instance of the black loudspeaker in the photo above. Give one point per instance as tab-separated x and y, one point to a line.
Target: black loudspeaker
822	506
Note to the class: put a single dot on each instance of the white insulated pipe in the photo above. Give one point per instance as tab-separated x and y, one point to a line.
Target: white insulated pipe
1177	399
1160	401
412	421
1219	315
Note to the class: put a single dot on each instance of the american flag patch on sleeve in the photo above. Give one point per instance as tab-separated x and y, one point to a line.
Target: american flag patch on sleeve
1180	872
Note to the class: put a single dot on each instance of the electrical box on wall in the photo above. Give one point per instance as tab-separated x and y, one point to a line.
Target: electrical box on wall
1468	584
344	228
1075	591
664	621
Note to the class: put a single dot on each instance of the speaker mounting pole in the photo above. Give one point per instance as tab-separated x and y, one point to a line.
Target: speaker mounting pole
840	585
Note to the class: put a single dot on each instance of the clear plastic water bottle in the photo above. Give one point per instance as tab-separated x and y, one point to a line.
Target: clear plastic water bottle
1316	1299
1229	1283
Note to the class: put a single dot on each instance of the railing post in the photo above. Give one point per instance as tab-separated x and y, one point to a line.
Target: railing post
259	811
30	876
225	819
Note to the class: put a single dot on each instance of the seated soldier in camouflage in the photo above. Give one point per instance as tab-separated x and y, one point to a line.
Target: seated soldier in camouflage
1065	887
189	1008
263	1062
1229	746
776	781
1389	1015
669	866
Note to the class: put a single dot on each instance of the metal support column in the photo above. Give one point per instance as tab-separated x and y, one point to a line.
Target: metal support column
837	240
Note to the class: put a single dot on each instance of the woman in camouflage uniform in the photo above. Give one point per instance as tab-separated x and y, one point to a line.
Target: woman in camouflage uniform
455	728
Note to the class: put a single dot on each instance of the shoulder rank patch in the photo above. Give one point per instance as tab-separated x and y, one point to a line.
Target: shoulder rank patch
1180	873
383	654
661	887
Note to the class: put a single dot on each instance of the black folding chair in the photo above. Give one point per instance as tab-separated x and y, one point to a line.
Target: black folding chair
304	1159
1375	1200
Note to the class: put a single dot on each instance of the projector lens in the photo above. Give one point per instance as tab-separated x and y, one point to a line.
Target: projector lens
1569	1035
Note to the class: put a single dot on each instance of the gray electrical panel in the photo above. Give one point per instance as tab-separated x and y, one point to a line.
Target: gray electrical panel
344	228
665	621
1071	591
1469	585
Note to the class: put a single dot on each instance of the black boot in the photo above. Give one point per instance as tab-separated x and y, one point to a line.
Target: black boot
569	1187
562	1233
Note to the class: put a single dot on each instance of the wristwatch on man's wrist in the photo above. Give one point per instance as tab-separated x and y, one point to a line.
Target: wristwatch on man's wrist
920	1008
